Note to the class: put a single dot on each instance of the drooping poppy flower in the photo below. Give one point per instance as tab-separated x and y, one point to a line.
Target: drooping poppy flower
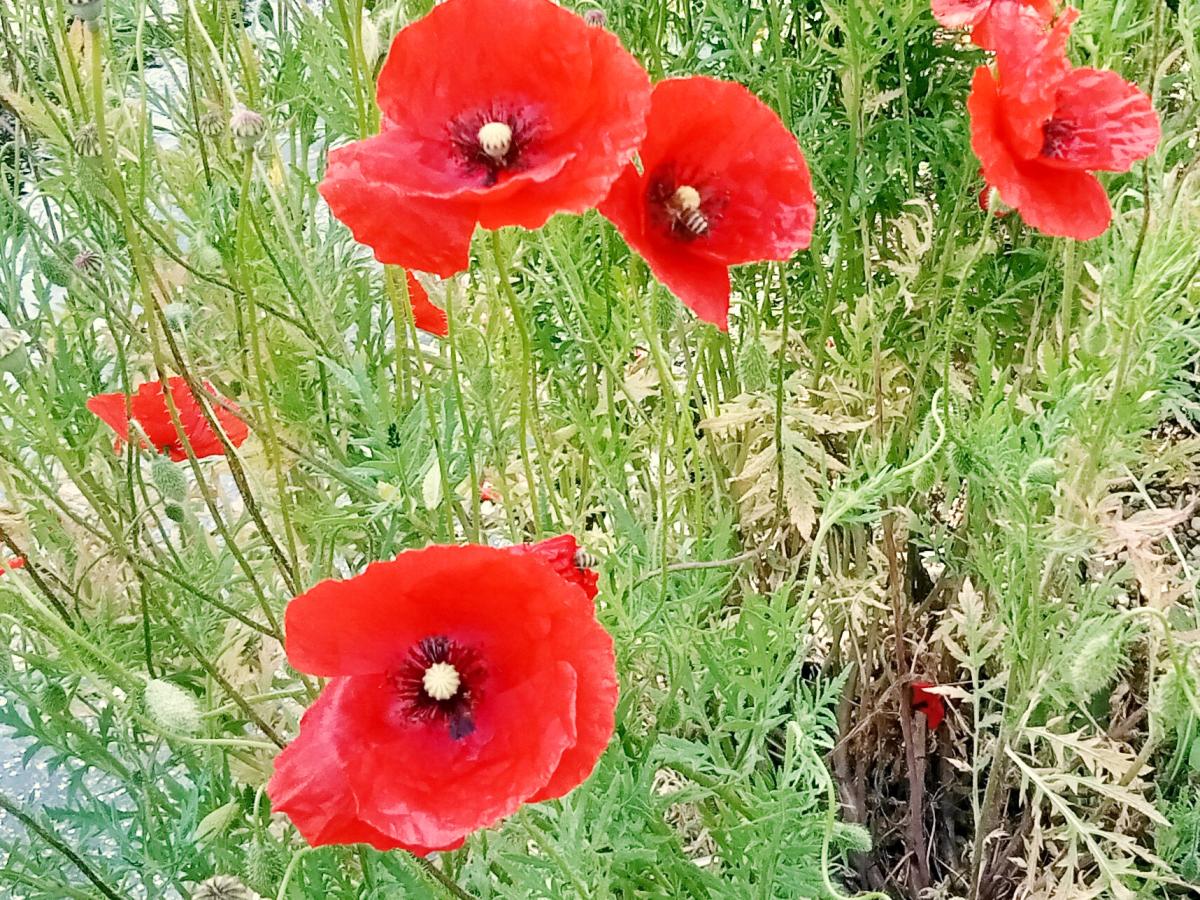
1040	127
495	112
426	316
464	681
924	700
151	416
977	15
723	182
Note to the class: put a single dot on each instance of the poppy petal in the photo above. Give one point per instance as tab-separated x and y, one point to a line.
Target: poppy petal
1102	122
1063	203
439	789
1031	64
112	411
959	13
367	624
423	233
426	316
560	553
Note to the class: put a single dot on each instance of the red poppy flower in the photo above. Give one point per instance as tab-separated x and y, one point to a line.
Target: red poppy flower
426	316
17	562
723	182
495	112
923	700
977	15
150	414
465	682
1041	127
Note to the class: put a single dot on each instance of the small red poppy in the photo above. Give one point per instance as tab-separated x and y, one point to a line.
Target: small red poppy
1040	127
924	700
723	182
495	112
151	415
465	681
977	15
426	316
17	562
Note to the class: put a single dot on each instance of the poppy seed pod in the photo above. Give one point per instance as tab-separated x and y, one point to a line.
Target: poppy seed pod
247	128
87	11
172	707
89	263
223	887
13	355
597	18
87	141
212	123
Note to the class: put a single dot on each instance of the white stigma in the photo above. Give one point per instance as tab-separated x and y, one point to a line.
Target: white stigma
495	139
441	681
686	198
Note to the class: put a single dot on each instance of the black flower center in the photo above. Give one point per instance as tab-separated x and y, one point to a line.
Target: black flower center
1057	137
439	681
682	207
494	140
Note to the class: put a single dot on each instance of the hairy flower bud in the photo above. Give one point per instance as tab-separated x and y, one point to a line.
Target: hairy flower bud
207	258
247	128
754	365
169	479
1095	656
87	141
56	271
172	707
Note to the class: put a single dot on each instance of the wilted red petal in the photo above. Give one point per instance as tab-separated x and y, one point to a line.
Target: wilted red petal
923	700
574	99
426	316
1101	123
1064	203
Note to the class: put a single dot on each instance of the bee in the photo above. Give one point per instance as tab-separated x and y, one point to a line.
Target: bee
585	560
684	207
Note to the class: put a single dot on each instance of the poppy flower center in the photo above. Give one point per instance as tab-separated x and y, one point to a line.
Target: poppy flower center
1056	136
439	682
679	207
495	139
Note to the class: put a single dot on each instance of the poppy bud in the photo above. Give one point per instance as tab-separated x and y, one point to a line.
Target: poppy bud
212	123
87	141
597	18
247	128
169	479
56	271
54	700
262	866
1042	471
89	263
13	355
172	707
852	837
87	11
1095	656
223	887
207	258
754	366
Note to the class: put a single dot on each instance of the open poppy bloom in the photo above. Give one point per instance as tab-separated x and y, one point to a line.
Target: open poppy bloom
464	681
495	112
151	416
426	316
723	182
925	701
1040	127
977	15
